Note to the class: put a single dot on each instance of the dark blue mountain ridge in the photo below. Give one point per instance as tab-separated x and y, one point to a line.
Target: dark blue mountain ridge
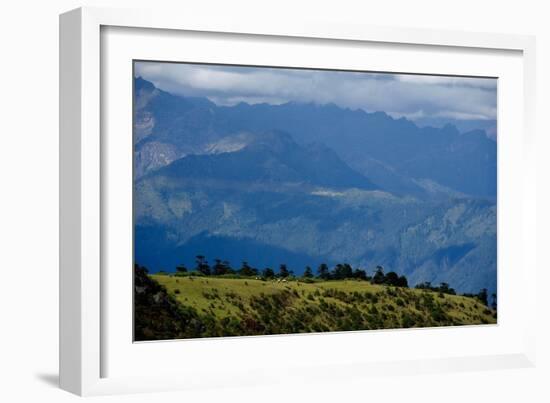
271	157
402	151
154	251
181	121
143	85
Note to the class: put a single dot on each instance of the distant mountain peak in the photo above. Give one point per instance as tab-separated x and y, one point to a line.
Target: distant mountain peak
141	84
273	140
271	157
451	129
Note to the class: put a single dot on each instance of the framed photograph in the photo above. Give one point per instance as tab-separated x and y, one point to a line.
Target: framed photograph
237	197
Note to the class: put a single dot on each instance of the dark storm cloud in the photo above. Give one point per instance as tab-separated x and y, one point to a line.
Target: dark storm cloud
411	96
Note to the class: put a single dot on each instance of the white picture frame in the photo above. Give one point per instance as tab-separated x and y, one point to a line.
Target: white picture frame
87	181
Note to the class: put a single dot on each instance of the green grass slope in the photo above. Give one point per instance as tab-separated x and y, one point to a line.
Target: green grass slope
217	306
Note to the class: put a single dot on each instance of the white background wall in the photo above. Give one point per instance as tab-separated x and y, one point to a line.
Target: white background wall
29	209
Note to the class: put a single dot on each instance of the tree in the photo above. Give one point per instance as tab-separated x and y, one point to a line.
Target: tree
338	272
342	271
482	296
347	271
402	282
268	273
283	271
221	267
323	272
308	273
228	268
247	270
379	277
360	274
426	285
446	289
181	268
202	265
391	278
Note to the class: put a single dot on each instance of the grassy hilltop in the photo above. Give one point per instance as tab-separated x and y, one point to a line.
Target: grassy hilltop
171	307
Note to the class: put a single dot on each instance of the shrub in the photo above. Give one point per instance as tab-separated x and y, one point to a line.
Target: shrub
407	320
437	313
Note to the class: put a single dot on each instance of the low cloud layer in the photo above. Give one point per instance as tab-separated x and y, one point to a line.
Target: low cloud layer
417	97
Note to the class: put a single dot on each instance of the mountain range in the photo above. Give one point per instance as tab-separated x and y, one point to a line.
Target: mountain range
305	184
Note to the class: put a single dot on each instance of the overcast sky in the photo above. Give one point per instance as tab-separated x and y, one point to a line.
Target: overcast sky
417	97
